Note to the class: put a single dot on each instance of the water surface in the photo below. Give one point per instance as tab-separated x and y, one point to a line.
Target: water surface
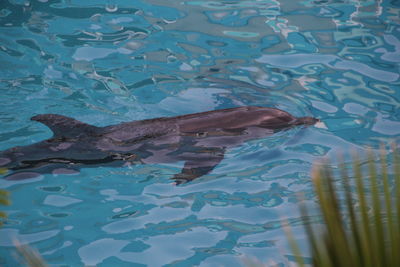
106	62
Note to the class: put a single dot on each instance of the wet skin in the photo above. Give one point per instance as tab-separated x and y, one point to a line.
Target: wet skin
199	140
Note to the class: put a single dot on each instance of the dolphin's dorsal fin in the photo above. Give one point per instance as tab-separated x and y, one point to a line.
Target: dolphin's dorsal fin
64	126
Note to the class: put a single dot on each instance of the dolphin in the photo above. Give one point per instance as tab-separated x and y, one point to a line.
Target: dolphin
199	140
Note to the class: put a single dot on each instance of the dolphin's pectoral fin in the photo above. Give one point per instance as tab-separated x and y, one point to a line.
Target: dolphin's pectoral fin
64	126
197	167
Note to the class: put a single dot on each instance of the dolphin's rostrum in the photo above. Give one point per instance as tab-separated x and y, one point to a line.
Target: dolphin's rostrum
199	140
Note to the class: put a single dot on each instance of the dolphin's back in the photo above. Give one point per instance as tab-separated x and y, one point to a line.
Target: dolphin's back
234	118
227	119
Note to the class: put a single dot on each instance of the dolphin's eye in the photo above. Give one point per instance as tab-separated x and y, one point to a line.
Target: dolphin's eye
202	134
56	139
61	139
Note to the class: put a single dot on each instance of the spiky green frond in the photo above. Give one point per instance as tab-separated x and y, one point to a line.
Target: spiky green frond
361	225
30	256
4	201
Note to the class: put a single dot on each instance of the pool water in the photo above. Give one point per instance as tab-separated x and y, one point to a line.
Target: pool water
106	62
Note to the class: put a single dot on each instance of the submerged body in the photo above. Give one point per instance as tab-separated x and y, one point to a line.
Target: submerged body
199	139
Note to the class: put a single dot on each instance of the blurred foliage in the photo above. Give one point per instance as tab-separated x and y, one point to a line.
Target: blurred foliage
29	256
361	214
3	201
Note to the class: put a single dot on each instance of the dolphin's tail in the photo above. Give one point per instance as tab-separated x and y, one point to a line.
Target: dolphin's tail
306	121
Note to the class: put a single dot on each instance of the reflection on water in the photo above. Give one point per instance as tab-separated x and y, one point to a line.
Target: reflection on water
107	62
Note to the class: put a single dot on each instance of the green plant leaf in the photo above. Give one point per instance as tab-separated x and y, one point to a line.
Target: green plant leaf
361	226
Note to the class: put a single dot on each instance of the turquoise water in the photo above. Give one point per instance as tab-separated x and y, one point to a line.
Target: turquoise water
106	62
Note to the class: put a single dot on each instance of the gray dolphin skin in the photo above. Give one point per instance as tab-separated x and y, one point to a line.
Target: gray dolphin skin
199	140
